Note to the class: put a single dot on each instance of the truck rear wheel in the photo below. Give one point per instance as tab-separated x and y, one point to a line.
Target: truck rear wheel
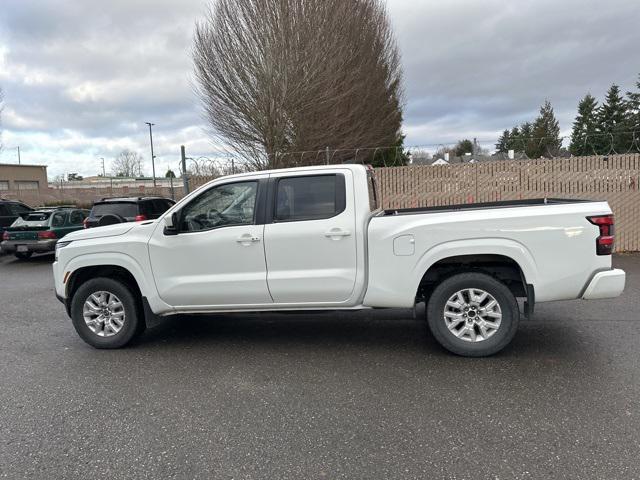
473	314
104	313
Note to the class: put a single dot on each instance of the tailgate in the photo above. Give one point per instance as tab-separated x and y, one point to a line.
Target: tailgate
24	233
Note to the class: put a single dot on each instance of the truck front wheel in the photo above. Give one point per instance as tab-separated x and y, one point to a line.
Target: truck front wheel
473	314
104	313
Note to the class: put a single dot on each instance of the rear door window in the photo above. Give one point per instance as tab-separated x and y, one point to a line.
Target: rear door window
124	209
309	197
58	219
76	217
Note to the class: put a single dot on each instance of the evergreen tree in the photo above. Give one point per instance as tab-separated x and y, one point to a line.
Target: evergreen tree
463	147
633	114
546	141
503	142
525	142
584	127
514	140
612	124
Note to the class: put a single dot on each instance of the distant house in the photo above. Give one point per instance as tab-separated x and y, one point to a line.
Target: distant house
440	161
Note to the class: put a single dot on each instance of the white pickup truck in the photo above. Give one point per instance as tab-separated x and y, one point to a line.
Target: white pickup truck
316	239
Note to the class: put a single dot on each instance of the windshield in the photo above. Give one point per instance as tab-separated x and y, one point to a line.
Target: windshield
36	219
123	209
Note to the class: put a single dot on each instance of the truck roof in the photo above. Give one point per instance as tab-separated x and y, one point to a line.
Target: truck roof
346	166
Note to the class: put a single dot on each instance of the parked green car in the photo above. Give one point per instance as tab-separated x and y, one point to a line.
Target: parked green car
40	230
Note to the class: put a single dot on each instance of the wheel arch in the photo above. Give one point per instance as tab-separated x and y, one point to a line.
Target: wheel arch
505	260
115	272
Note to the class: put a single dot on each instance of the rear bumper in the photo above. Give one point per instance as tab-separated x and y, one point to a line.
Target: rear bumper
35	246
607	284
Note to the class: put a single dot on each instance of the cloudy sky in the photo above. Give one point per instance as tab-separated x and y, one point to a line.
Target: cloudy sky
80	77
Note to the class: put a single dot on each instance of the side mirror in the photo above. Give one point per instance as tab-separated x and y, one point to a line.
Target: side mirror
171	224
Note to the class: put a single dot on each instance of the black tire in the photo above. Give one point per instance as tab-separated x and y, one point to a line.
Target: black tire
23	255
494	343
134	324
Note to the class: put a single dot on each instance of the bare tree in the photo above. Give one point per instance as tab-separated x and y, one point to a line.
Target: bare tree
283	76
128	164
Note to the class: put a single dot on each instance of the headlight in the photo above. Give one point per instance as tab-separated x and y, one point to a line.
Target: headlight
60	245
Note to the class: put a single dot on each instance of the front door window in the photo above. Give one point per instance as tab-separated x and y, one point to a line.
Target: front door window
225	205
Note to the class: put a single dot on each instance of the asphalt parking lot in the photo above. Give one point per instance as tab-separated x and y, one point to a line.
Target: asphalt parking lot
359	395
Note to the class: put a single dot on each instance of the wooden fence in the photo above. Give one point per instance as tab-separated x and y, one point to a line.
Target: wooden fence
614	178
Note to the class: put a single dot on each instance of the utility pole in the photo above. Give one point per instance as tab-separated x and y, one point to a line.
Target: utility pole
185	179
153	157
233	166
18	154
103	171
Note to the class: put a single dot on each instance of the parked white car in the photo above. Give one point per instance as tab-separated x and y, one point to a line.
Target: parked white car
316	239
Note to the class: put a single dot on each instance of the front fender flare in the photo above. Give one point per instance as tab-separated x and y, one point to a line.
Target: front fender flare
127	262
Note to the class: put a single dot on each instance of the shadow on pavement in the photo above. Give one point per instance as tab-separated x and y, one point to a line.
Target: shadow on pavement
39	259
380	330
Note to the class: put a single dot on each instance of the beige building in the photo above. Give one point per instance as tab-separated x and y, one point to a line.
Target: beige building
22	177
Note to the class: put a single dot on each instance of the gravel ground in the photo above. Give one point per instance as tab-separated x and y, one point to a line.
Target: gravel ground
361	395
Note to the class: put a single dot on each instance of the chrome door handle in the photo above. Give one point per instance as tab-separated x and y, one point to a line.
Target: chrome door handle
247	239
337	232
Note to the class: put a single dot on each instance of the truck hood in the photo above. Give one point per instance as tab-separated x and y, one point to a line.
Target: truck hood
100	232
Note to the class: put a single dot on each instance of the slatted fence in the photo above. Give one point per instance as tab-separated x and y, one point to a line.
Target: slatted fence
614	178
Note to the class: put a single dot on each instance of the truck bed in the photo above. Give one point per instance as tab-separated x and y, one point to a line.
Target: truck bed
473	206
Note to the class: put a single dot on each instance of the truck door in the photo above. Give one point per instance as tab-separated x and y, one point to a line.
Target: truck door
310	241
217	257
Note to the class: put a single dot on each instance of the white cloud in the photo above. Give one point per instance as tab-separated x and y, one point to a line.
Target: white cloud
81	78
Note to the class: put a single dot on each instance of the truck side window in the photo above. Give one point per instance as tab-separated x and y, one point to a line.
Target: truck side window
224	205
309	198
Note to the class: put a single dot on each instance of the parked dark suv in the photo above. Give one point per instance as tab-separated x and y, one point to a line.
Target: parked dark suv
109	211
10	210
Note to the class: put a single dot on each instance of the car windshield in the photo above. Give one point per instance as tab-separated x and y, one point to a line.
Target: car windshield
35	219
123	209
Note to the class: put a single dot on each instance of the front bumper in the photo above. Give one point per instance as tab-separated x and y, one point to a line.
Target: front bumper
34	246
607	284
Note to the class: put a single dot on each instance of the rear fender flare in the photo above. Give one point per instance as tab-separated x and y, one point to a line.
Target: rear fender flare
479	246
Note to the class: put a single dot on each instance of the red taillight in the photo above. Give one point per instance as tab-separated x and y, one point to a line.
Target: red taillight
85	223
5	236
141	218
606	240
47	235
